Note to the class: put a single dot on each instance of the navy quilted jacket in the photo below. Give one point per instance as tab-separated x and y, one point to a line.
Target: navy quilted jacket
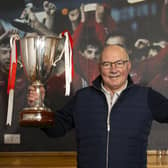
125	144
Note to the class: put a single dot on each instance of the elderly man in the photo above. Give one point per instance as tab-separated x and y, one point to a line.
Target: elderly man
112	117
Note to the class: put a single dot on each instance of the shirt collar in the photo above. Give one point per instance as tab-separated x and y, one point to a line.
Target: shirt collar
117	92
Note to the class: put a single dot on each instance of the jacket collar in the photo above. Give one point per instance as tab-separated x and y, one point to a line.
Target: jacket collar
97	82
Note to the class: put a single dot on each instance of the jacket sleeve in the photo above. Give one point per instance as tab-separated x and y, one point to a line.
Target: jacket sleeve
158	105
64	121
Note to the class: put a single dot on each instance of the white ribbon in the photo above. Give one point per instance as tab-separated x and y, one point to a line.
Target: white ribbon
68	65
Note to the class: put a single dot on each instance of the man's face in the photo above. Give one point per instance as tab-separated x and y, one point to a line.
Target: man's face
114	75
74	15
91	52
4	58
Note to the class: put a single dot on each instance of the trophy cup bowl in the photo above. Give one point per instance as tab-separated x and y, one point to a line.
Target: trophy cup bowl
38	53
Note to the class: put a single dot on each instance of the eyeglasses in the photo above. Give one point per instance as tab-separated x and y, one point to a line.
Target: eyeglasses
118	64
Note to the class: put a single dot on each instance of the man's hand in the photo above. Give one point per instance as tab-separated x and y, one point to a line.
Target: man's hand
33	96
82	13
99	14
165	2
141	43
49	7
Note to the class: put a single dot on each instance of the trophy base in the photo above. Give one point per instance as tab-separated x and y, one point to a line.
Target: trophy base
36	117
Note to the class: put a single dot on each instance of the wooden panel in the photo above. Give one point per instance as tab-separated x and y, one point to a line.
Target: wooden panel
156	159
38	159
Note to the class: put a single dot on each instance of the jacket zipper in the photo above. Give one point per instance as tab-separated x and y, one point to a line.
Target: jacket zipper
108	132
108	138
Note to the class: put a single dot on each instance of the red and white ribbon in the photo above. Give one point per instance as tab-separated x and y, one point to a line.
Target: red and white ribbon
68	62
12	77
67	52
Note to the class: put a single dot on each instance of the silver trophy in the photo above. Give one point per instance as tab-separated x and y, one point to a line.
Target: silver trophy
39	54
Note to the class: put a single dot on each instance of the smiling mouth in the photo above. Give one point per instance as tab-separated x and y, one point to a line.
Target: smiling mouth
114	76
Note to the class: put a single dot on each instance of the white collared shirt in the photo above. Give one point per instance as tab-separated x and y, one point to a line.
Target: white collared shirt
112	99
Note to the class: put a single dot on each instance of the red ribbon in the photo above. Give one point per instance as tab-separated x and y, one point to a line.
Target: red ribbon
12	71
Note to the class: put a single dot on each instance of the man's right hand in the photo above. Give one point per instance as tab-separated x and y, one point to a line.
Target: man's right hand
33	96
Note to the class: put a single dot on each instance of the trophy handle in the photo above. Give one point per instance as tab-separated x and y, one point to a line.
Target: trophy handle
59	58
